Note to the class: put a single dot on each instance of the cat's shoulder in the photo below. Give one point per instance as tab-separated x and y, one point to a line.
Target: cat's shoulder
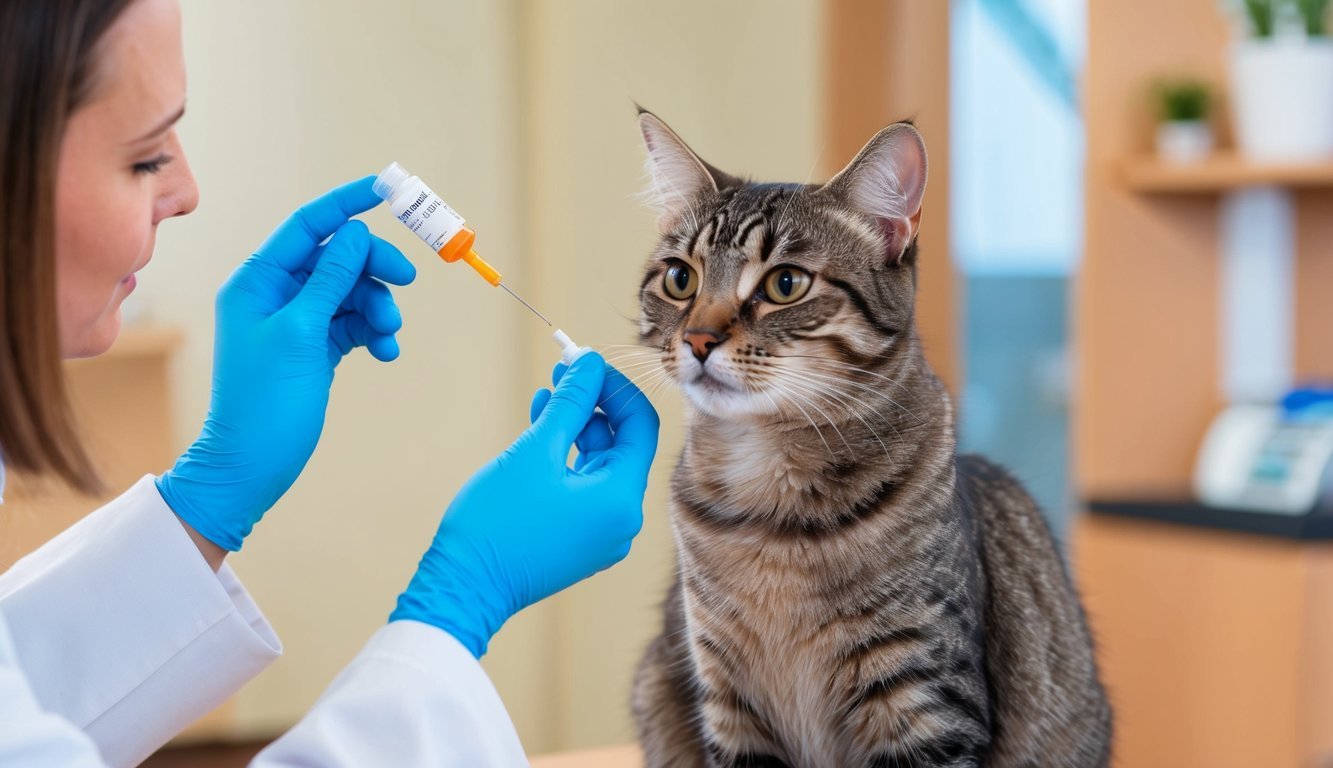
976	472
987	489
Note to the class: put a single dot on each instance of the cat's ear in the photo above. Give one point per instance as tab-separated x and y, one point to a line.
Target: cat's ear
886	181
678	175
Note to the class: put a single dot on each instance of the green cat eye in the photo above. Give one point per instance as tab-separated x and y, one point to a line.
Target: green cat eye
785	285
681	281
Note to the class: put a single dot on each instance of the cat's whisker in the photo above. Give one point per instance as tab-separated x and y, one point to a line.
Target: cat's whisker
846	372
851	408
836	378
853	369
785	397
631	351
639	366
825	379
647	384
843	380
848	366
795	398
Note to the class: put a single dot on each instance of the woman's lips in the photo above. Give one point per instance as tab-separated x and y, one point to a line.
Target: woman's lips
130	281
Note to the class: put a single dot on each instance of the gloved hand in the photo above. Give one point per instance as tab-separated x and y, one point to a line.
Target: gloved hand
526	525
284	319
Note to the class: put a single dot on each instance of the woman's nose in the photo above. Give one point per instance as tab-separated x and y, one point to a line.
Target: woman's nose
180	194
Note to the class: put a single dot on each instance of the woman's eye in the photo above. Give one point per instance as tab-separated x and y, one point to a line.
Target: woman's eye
785	285
680	281
151	166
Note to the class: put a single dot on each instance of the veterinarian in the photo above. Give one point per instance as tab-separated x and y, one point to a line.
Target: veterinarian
128	626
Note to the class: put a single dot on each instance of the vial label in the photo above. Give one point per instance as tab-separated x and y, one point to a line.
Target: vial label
428	216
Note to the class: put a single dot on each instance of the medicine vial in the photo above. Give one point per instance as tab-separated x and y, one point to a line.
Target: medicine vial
425	213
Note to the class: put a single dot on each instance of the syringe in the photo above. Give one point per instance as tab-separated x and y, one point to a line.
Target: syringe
438	225
569	351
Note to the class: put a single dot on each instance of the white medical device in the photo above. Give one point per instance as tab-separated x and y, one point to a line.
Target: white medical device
1261	458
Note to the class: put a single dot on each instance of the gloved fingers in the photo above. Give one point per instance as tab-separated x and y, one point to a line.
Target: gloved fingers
624	406
291	243
633	421
385	263
337	271
259	286
351	330
596	436
539	400
571	405
373	300
591	442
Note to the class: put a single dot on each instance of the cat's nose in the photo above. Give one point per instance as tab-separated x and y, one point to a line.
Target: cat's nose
702	341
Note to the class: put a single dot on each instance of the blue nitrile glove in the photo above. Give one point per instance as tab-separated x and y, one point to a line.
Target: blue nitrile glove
526	525
284	319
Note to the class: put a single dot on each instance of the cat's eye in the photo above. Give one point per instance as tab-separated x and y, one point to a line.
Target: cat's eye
680	281
785	285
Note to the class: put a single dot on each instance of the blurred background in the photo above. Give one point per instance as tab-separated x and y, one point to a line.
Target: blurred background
1125	278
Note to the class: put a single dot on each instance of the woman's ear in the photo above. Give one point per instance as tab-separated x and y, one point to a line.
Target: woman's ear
886	182
679	177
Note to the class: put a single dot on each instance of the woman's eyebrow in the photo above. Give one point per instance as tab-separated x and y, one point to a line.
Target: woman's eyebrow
161	127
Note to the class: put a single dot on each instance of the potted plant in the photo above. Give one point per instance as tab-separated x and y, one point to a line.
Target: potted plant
1282	80
1183	132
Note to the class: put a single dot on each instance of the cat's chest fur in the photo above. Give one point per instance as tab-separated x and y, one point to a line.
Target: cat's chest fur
748	468
775	619
762	619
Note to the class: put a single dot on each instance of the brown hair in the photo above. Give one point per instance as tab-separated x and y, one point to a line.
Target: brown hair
48	57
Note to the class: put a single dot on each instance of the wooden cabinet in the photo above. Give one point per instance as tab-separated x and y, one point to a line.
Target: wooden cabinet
1216	647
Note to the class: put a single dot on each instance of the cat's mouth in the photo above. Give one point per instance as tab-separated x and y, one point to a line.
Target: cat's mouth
712	383
718	392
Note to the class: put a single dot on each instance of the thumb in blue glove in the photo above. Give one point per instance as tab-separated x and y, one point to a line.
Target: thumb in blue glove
527	525
284	320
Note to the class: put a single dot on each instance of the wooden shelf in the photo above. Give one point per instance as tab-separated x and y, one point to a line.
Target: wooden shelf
1220	173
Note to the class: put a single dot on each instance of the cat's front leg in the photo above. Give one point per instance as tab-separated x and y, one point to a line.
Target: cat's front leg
735	735
916	714
665	708
735	732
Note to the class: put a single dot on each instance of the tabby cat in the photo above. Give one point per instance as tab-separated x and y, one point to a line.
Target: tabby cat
849	591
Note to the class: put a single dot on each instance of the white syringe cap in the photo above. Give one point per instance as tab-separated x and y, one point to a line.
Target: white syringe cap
389	180
569	351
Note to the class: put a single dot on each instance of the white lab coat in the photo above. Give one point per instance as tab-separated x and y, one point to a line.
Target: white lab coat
116	635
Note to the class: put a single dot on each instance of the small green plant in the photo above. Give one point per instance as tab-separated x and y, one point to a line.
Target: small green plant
1261	14
1265	15
1182	100
1313	14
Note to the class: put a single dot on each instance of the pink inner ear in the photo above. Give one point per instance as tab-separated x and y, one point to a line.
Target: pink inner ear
895	238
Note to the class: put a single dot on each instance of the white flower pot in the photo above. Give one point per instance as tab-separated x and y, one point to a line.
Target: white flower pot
1282	98
1184	141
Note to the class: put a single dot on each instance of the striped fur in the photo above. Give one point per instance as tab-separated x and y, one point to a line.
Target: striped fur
849	591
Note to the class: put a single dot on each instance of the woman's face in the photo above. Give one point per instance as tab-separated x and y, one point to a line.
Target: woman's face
121	172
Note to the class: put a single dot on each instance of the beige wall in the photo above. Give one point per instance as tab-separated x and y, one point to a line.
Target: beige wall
521	118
